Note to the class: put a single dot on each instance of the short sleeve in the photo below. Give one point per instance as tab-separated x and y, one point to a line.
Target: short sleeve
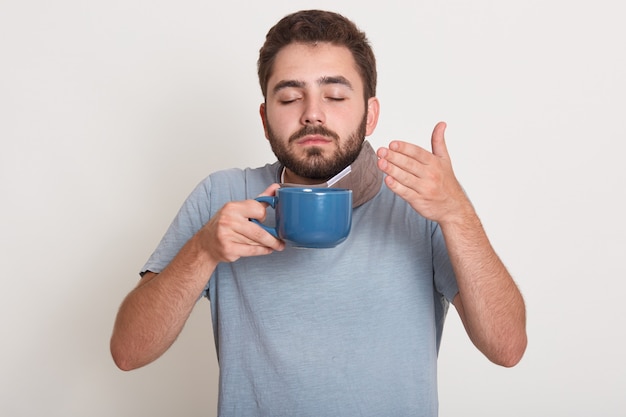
193	214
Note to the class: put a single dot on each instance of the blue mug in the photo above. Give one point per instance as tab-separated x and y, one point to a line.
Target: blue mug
310	217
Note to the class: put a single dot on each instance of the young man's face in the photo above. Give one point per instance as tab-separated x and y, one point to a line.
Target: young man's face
315	115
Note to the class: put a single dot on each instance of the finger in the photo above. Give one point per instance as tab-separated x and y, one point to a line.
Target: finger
240	246
438	141
247	236
255	235
401	189
402	156
396	173
399	151
271	190
268	192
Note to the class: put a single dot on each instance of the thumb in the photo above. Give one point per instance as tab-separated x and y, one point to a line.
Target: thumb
271	190
267	199
438	141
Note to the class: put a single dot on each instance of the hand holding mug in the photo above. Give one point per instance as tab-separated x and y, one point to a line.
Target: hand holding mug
310	217
229	235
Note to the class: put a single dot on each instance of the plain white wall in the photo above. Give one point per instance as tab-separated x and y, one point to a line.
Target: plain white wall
111	112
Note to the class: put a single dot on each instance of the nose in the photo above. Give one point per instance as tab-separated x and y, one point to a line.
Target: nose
313	113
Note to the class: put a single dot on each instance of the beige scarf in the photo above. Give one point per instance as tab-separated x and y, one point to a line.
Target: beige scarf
362	177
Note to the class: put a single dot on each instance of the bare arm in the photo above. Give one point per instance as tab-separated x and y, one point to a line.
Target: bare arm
489	303
153	314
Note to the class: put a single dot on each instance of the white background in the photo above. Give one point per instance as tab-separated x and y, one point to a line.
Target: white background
111	112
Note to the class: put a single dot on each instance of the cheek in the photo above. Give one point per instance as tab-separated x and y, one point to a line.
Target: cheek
279	116
285	122
347	122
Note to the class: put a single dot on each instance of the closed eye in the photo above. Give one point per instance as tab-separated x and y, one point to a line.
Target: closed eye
288	101
288	96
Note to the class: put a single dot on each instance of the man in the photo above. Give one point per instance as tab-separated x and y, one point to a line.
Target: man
352	330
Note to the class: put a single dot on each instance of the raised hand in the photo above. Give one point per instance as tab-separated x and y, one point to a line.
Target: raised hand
425	179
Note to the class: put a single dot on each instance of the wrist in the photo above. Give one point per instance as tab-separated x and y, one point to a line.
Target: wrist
461	212
196	258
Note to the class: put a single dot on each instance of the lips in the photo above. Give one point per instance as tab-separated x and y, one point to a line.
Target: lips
319	135
313	140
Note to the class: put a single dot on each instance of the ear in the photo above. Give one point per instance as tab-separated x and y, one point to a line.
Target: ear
263	114
373	109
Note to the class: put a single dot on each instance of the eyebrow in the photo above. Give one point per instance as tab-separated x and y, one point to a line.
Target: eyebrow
326	80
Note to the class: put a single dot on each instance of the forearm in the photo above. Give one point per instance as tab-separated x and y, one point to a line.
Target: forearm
154	313
491	306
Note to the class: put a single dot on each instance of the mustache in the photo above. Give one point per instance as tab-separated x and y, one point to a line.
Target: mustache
313	130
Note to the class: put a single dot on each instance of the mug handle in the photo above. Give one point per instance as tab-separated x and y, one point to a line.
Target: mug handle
272	202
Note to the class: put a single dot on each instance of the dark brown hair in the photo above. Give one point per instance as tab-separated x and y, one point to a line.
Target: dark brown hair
311	27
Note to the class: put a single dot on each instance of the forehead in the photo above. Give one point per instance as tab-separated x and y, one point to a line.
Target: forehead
308	63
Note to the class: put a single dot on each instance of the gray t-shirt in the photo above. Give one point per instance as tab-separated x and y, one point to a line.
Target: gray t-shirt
348	331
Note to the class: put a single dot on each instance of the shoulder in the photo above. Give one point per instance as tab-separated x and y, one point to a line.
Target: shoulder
239	184
268	171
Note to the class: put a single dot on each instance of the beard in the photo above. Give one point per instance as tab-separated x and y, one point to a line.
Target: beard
315	165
